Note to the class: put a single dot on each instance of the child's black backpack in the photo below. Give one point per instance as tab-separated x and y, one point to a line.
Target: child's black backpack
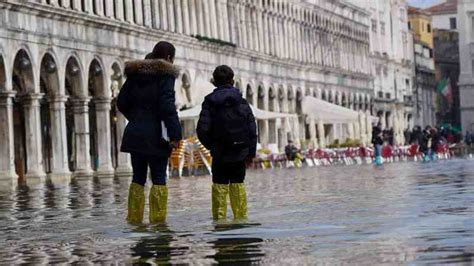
230	128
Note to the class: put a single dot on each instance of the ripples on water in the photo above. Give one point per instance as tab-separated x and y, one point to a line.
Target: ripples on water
398	213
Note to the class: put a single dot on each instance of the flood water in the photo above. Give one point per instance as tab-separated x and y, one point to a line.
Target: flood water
399	213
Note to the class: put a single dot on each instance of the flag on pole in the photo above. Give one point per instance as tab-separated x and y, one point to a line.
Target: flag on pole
444	87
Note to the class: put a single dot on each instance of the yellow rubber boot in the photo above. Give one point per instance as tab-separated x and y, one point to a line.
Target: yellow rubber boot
158	204
238	200
219	201
136	203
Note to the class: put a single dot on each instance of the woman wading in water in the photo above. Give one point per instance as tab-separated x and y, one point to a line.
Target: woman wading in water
147	100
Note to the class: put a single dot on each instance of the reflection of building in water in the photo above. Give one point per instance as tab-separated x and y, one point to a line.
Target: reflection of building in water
61	64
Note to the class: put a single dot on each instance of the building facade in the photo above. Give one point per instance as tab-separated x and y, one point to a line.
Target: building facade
61	67
444	15
446	56
420	24
391	45
466	50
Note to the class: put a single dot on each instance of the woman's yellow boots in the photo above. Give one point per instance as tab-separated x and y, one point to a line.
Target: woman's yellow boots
238	200
158	200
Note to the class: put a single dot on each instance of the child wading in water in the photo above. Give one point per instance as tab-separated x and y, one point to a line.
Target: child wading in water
227	128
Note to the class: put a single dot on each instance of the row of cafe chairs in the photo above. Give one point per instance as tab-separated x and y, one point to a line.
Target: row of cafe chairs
348	156
192	158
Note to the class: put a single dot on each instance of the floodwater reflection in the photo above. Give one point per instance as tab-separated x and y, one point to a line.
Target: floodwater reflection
399	213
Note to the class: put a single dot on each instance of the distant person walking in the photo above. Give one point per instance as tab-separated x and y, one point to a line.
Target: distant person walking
377	141
227	128
147	100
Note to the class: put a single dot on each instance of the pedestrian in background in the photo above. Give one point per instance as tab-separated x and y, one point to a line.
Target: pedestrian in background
227	128
147	100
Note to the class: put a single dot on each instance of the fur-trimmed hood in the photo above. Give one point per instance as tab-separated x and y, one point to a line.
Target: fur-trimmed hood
151	66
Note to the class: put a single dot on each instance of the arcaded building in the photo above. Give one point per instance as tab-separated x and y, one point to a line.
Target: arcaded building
62	61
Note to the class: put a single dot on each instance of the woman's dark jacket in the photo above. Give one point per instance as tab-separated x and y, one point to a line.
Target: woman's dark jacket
206	127
147	97
377	136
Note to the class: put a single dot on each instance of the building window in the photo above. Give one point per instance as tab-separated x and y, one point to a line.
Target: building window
382	28
374	25
453	23
409	25
428	27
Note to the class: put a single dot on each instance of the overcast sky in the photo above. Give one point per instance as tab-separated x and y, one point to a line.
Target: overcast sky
424	3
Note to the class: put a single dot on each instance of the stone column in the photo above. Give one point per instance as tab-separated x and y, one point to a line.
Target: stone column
65	4
201	29
102	107
33	141
59	164
99	8
207	18
312	131
243	27
155	13
138	7
163	15
368	125
250	28
147	20
185	16
178	16
193	25
119	9
129	11
321	134
223	16
76	5
213	19
81	125
88	6
109	8
7	151
124	165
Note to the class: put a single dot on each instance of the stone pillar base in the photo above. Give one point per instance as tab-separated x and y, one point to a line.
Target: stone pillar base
8	175
105	172
57	178
124	171
35	178
35	175
83	173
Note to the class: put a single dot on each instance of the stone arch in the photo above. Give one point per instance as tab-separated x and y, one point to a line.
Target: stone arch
96	79
361	101
238	85
299	100
23	74
290	96
368	103
324	96
308	92
26	116
49	77
345	100
272	99
74	82
249	94
116	78
3	73
281	98
50	86
261	93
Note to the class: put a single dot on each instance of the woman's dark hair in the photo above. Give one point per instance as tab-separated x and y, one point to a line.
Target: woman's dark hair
162	50
223	75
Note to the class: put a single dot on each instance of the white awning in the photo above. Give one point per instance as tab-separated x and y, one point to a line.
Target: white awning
193	114
320	110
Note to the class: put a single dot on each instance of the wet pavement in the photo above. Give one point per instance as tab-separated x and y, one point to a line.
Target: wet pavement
399	213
